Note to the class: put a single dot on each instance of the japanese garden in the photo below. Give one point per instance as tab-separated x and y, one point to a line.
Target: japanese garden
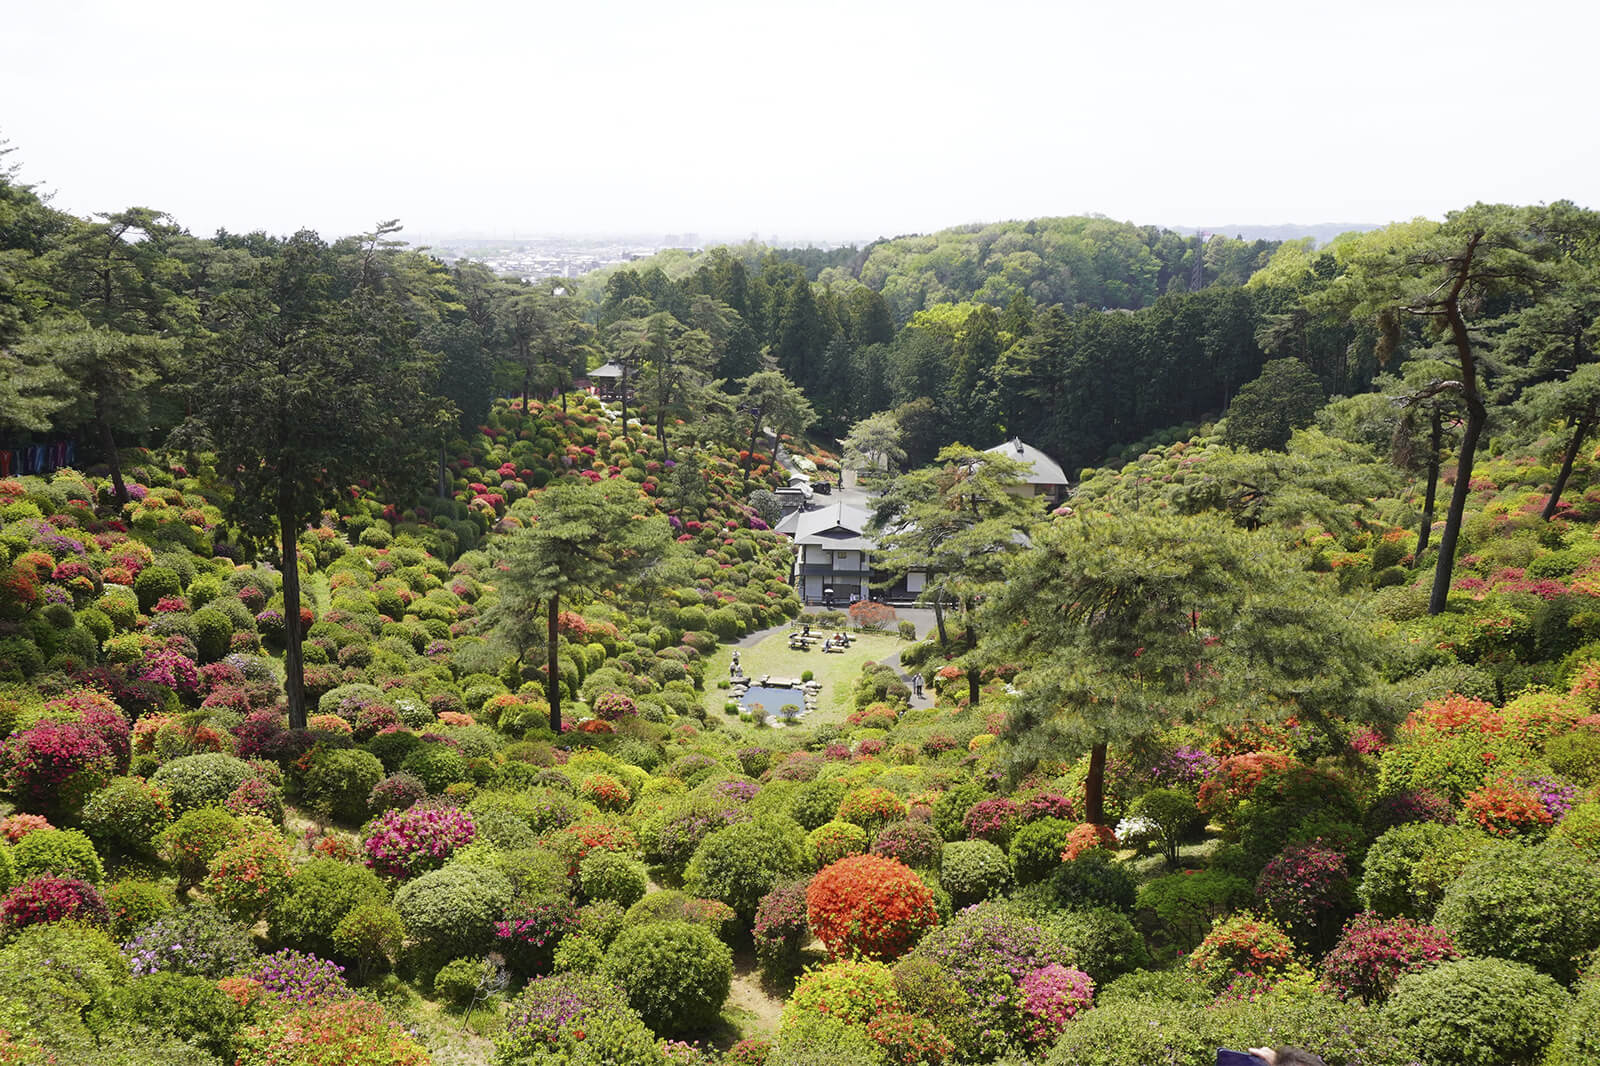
1168	643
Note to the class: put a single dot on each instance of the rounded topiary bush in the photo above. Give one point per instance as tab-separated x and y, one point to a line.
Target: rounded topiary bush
128	815
676	974
781	930
871	808
1243	946
574	1020
1095	879
835	840
420	838
459	980
853	991
869	906
53	899
133	904
1540	907
317	899
61	852
527	936
1478	1012
614	876
205	780
1407	869
197	940
917	844
740	864
973	871
1306	889
340	780
453	911
1036	848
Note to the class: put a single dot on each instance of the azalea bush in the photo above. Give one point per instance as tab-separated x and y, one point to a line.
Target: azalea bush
1244	946
853	991
1373	953
403	844
869	906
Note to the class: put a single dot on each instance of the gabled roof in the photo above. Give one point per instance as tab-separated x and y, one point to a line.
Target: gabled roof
608	370
1044	470
838	526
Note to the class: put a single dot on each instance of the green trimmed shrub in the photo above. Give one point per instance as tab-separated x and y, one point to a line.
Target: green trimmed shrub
186	1008
458	981
371	935
204	780
1036	849
676	974
613	876
740	864
318	897
1095	879
1408	868
1539	907
134	904
452	911
153	583
973	871
63	852
1478	1012
128	815
1577	1041
339	781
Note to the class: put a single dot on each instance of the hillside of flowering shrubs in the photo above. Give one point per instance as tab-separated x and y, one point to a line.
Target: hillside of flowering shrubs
186	877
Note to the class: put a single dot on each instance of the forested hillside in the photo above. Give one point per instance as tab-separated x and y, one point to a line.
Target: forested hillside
371	687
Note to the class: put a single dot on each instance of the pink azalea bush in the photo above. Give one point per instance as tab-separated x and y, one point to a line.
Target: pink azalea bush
405	843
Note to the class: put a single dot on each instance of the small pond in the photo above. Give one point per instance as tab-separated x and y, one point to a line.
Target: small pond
771	698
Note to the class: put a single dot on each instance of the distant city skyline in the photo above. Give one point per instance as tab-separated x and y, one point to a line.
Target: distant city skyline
825	121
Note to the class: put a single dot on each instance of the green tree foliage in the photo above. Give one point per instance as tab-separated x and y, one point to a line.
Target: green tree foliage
313	378
957	521
1284	398
1128	622
583	541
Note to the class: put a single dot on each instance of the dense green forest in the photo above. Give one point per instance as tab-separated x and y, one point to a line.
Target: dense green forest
371	691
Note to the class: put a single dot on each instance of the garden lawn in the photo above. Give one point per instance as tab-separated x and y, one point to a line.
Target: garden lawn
773	656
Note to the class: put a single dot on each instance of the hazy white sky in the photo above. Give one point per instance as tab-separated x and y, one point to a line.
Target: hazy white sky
821	118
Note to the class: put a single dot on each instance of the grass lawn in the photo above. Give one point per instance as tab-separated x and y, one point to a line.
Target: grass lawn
773	656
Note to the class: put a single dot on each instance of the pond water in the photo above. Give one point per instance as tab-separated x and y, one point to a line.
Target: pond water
772	699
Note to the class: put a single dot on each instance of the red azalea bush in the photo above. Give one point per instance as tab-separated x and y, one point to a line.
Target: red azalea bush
1051	997
605	792
1373	953
1243	946
1237	777
992	820
56	765
869	905
351	1032
1306	888
1507	810
53	899
1455	714
249	876
406	843
1086	837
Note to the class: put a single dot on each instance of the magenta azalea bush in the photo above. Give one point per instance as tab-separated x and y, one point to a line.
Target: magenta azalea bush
402	844
1306	888
1373	953
1051	997
53	899
56	765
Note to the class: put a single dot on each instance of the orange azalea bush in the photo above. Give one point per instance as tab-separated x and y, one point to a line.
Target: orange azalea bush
1455	714
871	906
1086	837
1507	810
353	1032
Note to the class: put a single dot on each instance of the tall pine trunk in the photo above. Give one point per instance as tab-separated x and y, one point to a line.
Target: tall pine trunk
974	678
1094	787
1477	415
1425	529
552	682
294	679
1579	432
108	444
